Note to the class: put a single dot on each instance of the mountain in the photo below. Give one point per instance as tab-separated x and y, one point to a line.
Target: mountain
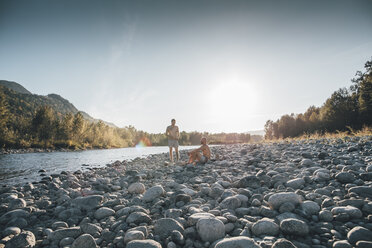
22	103
15	86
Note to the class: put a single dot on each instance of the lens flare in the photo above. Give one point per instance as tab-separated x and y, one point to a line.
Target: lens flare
144	142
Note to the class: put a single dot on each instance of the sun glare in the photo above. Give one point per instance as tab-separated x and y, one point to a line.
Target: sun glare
232	101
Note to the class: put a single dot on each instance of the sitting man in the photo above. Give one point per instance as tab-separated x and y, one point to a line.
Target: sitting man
202	158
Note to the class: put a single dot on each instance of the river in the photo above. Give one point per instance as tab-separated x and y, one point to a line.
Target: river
22	168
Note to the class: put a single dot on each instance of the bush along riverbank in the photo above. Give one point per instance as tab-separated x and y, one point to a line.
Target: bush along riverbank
315	193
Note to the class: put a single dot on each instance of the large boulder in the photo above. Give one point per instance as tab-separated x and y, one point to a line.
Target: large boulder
276	200
237	242
210	229
164	227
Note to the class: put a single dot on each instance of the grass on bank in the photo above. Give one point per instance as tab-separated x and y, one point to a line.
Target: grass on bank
365	131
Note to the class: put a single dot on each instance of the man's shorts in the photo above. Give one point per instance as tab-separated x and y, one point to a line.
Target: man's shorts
173	143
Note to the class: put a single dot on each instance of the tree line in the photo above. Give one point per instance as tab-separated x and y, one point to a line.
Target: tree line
346	109
48	129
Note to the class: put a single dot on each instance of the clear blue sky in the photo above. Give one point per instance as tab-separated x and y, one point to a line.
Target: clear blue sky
213	65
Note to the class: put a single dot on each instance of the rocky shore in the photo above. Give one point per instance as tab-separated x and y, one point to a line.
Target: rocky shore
32	150
315	193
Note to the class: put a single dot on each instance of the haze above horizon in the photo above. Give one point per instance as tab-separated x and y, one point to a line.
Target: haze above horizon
216	66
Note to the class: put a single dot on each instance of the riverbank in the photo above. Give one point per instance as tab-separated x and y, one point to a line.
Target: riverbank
30	150
315	193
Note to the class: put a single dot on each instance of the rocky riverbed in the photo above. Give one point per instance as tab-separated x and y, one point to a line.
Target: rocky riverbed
315	193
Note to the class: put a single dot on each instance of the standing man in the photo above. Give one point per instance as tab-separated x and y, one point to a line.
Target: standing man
173	134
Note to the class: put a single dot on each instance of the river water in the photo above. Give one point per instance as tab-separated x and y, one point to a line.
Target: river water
22	168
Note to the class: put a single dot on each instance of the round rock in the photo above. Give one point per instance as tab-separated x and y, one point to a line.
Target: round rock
294	227
17	203
153	193
137	188
341	244
283	243
103	212
326	215
148	243
359	233
231	202
133	235
353	212
296	183
310	207
237	242
73	232
194	218
25	239
138	218
11	230
278	199
84	241
88	202
345	177
265	226
164	227
210	229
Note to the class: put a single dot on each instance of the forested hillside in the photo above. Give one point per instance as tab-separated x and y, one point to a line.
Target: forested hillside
29	120
346	109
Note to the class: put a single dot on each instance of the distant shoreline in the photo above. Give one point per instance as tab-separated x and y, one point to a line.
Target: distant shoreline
5	151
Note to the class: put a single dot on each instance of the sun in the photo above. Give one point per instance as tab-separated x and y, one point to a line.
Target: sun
232	101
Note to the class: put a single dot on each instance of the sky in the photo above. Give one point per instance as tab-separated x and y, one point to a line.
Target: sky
216	66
